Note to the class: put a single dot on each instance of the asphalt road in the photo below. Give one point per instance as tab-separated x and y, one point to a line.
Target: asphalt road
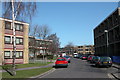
80	69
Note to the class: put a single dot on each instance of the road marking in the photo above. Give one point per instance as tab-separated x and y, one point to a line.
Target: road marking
110	76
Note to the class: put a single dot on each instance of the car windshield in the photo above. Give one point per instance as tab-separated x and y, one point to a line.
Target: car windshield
66	56
105	59
60	59
84	55
95	58
89	56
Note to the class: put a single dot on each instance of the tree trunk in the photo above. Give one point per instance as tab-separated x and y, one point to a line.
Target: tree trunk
14	41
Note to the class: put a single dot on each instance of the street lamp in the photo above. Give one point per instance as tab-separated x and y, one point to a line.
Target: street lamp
106	31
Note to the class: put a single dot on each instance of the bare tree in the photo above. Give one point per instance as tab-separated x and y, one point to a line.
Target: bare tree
34	35
17	10
43	32
22	10
34	31
54	47
69	48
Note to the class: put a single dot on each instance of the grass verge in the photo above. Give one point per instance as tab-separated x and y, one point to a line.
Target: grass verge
31	65
26	73
25	65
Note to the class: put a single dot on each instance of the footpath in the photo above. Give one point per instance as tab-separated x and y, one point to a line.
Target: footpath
117	73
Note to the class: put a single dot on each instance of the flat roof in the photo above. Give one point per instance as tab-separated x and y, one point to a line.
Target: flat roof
43	40
118	8
40	39
15	21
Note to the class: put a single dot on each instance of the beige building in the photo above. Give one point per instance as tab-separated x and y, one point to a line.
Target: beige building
85	49
39	47
6	40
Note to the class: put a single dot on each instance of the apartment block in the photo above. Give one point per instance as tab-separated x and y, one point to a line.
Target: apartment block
39	47
69	50
107	35
6	40
85	49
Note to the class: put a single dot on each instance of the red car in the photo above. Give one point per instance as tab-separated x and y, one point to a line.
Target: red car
61	62
90	57
84	57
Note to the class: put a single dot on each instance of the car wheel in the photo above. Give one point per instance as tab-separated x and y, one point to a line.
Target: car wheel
97	65
109	65
66	66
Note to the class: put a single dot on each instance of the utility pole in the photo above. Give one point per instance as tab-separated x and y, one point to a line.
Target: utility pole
14	38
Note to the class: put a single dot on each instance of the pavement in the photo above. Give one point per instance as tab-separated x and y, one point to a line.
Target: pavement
117	73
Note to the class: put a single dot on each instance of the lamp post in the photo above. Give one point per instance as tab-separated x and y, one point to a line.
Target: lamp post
106	31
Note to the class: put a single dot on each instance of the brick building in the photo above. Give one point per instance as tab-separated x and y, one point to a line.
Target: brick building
85	49
6	40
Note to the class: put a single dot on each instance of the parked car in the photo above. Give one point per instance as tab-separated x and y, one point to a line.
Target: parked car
61	62
75	55
90	57
67	58
80	57
62	54
84	57
104	61
94	59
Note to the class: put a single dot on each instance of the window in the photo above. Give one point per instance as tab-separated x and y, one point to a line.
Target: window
87	46
60	59
19	40
7	54
19	27
41	51
86	50
43	42
37	43
7	25
80	49
47	43
80	46
7	40
19	55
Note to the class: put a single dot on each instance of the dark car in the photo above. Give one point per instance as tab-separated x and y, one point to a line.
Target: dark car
80	57
67	58
104	61
94	59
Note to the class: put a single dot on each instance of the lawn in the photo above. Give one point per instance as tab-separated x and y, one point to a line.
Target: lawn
26	65
0	75
31	65
26	73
